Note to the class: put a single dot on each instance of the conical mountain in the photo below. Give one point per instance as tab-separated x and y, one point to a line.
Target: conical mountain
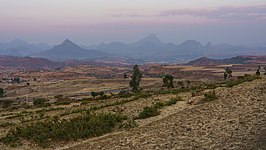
152	38
69	50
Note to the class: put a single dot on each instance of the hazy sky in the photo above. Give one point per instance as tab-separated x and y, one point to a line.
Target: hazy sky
94	21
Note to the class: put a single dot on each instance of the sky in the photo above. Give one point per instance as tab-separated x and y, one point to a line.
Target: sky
238	22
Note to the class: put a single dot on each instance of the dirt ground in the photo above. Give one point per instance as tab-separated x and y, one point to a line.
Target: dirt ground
237	120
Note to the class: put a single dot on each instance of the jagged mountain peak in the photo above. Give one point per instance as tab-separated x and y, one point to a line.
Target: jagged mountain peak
66	44
152	38
67	41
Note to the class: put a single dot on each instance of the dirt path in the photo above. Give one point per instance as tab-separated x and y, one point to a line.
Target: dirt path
237	120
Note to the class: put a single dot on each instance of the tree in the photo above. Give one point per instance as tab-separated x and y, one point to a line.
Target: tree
229	72
168	81
94	94
135	79
258	72
1	92
125	76
225	75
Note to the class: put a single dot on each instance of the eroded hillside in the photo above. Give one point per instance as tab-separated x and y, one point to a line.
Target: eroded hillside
236	120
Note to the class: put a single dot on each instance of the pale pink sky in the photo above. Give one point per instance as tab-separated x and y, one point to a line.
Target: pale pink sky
93	21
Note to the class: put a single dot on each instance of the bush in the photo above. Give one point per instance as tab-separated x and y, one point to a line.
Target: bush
124	94
95	94
55	130
63	101
148	112
210	96
171	101
6	124
141	95
1	92
6	103
240	80
158	105
168	81
40	102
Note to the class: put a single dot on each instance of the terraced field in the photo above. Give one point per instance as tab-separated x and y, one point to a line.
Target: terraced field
235	120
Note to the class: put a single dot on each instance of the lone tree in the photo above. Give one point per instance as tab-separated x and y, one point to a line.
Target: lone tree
168	81
229	72
258	72
135	79
225	75
1	92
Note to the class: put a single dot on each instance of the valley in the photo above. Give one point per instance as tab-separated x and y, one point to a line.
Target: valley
66	94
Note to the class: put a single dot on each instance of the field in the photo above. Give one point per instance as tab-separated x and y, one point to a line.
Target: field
56	96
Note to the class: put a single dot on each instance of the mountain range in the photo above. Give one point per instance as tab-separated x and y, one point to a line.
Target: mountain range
69	50
148	49
151	48
19	47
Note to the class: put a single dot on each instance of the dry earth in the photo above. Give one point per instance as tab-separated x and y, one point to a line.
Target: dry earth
237	120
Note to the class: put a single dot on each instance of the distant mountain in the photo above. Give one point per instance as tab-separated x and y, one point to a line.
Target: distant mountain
151	48
14	52
22	48
69	50
203	61
150	39
147	49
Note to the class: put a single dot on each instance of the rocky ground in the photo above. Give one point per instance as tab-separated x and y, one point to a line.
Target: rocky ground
236	120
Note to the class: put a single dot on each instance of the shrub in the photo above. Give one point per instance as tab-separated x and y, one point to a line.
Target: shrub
6	103
55	130
210	96
168	81
1	92
158	105
63	101
148	112
40	102
95	94
124	94
173	101
245	78
141	95
6	124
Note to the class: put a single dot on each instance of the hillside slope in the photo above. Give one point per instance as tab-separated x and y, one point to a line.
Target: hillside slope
237	120
203	61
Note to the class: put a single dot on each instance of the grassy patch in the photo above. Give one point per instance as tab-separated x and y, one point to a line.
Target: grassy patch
170	102
141	95
210	96
41	102
55	130
246	78
6	124
148	112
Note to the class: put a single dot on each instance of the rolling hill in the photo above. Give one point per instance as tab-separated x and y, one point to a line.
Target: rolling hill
203	61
